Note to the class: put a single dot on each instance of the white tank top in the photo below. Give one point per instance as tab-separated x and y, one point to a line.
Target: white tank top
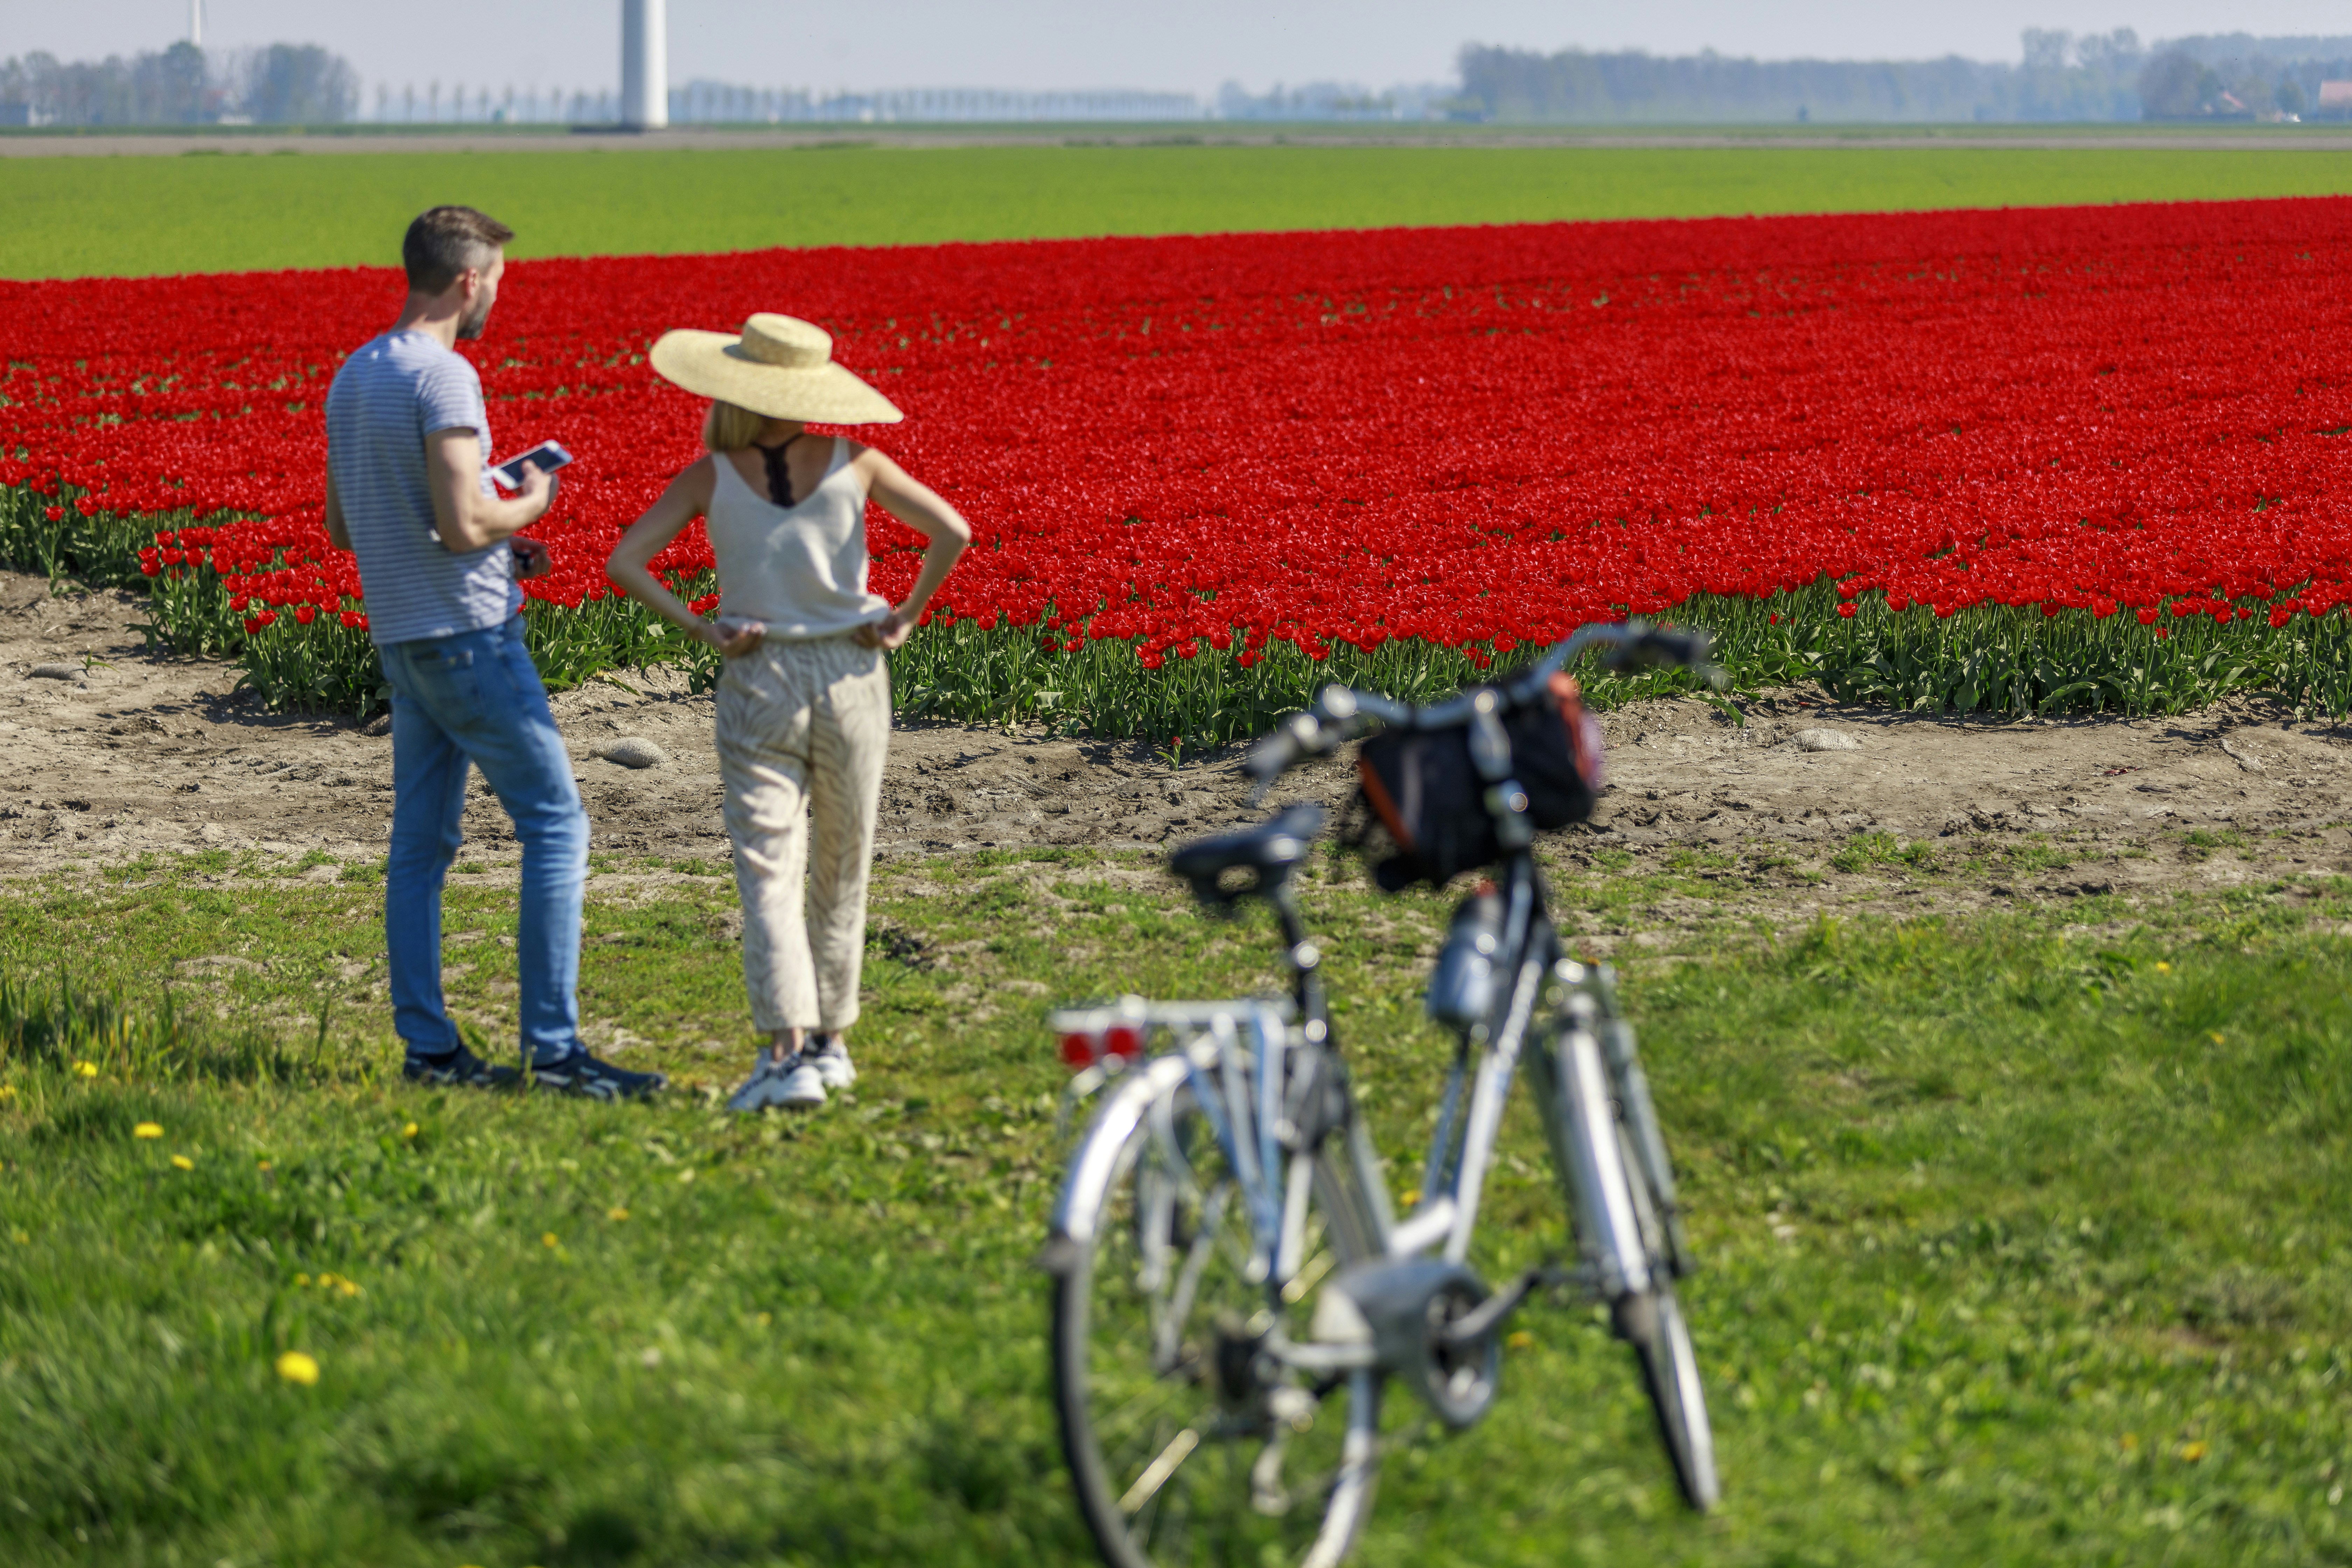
799	569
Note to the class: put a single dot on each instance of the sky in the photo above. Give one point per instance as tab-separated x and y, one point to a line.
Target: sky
1032	45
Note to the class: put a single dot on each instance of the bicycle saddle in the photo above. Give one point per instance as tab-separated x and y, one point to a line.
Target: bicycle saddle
1269	850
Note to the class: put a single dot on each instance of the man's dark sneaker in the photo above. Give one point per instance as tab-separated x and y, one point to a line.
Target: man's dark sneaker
455	1068
584	1074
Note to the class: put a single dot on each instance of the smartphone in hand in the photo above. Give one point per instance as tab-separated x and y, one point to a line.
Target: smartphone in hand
547	457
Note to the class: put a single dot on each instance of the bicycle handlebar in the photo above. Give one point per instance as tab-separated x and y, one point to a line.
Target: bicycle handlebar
1342	713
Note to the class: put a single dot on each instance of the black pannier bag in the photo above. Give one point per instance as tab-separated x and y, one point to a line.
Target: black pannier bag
1425	793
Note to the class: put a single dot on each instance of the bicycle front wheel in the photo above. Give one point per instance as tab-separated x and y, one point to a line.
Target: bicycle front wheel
1621	1228
1188	1443
1652	1322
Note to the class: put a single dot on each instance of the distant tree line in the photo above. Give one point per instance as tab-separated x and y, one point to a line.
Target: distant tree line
2060	76
2235	76
284	84
1334	100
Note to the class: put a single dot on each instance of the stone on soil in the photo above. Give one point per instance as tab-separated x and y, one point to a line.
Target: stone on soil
634	751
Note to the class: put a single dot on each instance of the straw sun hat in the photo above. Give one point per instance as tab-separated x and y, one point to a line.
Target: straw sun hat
778	365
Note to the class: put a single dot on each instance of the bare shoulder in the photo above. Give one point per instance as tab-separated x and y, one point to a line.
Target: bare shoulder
698	477
872	463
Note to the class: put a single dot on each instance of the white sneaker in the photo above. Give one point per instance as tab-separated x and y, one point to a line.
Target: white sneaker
770	1085
831	1059
803	1086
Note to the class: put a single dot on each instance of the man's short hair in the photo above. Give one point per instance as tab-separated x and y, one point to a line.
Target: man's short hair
446	241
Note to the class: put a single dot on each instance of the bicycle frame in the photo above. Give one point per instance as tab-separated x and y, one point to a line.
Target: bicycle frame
1262	1074
1584	1060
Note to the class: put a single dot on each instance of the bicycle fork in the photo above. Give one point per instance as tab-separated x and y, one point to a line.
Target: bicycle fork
1632	1086
1573	1084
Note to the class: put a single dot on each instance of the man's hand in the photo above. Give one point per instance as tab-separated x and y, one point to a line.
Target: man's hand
891	631
531	559
465	517
537	491
735	637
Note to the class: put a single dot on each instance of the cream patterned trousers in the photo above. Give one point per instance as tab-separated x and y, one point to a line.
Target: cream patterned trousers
802	729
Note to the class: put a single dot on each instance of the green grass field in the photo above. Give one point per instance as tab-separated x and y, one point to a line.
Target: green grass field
2022	1234
2019	1246
71	216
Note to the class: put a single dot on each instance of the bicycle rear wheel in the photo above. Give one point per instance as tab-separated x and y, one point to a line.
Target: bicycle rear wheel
1188	1444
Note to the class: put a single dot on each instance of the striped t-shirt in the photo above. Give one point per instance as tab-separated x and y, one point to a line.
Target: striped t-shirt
388	397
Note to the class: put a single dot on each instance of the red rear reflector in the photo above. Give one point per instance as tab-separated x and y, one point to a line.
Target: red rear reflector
1079	1050
1122	1040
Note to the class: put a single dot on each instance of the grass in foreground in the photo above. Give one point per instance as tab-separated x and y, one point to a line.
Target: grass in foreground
76	217
2019	1246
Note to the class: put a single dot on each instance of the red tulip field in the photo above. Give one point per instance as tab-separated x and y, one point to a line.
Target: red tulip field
2004	460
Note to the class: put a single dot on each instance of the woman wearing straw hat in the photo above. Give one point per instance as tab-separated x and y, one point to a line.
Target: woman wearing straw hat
804	702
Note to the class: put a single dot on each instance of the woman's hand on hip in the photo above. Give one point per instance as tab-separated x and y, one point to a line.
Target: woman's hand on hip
891	631
734	637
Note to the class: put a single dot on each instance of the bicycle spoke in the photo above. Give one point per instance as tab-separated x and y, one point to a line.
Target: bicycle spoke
1310	1275
1155	1474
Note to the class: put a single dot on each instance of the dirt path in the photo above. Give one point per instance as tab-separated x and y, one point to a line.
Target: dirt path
113	754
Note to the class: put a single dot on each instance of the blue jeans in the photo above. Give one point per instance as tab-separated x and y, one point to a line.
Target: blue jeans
477	697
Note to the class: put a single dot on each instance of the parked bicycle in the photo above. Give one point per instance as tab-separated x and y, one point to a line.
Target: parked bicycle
1233	1293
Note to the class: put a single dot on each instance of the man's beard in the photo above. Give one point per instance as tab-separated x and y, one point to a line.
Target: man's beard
477	317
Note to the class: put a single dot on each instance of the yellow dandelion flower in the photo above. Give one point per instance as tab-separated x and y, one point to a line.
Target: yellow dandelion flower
687	1174
548	1239
2215	1035
409	1130
616	1214
347	1288
183	1162
265	1165
85	1069
1520	1341
296	1367
2192	1452
7	1093
2162	967
148	1129
301	1281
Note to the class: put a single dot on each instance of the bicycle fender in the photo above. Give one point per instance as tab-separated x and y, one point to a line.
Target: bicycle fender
1078	1207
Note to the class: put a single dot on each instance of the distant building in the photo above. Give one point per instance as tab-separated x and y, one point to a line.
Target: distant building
2335	99
25	114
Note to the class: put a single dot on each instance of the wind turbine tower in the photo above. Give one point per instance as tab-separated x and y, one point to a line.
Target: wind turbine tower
645	65
196	23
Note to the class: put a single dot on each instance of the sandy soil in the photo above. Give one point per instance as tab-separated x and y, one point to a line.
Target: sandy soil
113	754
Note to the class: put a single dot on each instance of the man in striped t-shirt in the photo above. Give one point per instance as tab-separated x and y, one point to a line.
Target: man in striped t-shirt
409	495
